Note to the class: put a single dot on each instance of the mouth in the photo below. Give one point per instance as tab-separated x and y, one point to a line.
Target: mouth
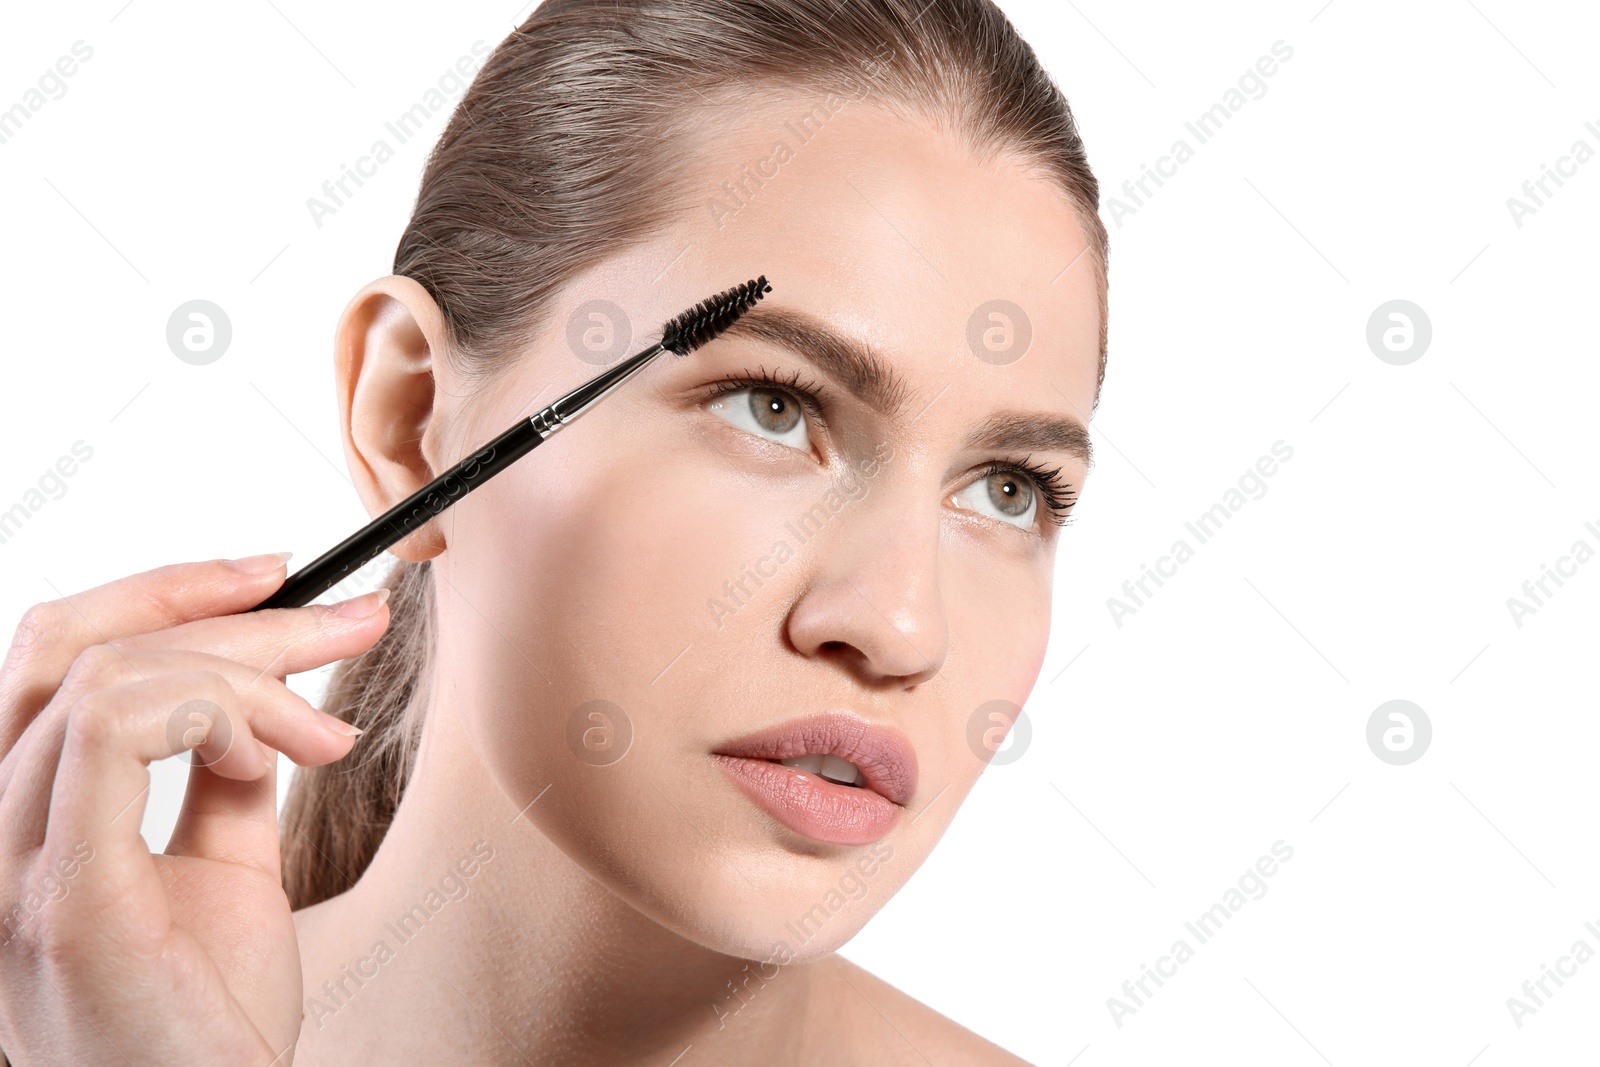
828	767
834	777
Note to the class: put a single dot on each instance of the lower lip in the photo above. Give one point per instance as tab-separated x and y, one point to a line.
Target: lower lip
811	805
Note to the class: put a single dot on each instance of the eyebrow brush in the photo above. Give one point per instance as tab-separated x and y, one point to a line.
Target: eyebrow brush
681	335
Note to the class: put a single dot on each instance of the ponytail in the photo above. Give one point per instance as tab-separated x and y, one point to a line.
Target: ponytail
336	815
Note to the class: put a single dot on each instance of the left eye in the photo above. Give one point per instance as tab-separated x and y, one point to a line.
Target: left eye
771	413
1003	495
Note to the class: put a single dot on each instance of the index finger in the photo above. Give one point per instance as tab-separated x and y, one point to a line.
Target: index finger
53	634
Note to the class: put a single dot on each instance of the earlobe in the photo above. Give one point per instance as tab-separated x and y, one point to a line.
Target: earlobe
384	368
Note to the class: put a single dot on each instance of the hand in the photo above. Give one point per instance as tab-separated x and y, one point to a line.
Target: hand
110	954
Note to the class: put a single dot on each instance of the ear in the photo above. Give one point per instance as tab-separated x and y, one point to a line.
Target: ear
384	371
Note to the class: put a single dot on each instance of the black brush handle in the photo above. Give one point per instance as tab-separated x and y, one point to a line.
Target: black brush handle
411	514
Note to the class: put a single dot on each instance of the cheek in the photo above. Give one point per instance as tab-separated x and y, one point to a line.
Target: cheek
628	557
999	611
589	574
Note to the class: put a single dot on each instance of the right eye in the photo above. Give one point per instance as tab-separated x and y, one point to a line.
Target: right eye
773	413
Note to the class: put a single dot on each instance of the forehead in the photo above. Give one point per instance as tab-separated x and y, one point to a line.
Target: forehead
894	230
969	276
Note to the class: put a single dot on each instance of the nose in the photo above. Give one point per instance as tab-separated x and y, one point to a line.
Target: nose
871	601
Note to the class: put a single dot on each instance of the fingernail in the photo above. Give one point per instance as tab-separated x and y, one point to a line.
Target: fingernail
339	726
269	758
361	606
265	563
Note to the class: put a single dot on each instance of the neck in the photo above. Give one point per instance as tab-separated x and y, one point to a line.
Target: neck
472	936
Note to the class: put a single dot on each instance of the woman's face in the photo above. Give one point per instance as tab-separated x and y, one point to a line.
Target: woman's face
679	570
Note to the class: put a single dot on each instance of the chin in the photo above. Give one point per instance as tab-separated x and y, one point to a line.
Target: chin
788	907
736	888
790	925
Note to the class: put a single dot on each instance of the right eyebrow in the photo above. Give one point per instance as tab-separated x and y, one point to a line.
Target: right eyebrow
854	364
862	371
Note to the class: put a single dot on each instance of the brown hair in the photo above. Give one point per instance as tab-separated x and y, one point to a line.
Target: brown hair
575	141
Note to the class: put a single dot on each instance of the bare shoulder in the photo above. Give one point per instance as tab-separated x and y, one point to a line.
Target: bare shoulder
897	1028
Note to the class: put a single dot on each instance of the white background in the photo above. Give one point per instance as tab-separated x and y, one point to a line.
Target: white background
1168	752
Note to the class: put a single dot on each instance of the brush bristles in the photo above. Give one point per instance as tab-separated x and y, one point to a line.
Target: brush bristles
710	317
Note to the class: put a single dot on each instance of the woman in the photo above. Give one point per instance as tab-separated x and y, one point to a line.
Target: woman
563	836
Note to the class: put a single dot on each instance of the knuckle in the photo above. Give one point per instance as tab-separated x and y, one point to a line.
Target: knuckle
94	667
212	684
56	940
32	940
17	937
39	624
161	599
37	926
91	722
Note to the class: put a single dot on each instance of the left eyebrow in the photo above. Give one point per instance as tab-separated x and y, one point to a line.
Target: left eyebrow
1029	431
866	374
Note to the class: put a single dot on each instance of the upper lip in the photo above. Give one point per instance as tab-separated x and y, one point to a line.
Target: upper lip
887	761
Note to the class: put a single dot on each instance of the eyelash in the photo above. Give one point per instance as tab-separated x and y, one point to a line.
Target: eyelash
1056	493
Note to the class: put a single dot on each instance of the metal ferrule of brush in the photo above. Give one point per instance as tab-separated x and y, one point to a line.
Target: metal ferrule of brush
575	403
